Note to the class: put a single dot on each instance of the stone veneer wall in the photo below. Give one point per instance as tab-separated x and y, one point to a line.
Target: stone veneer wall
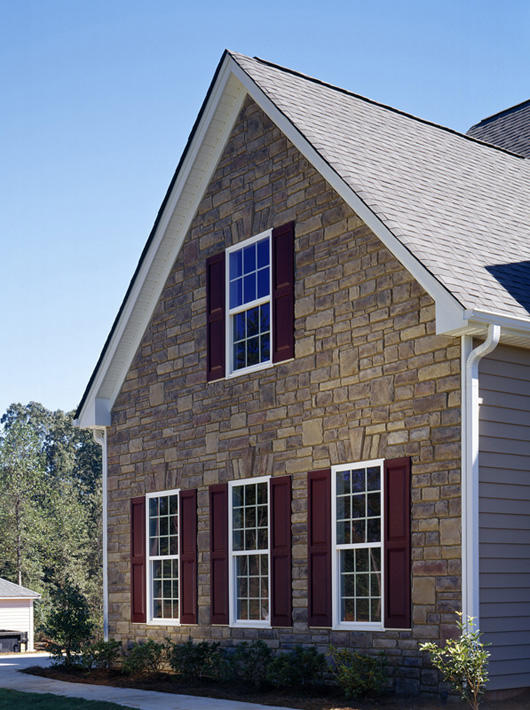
370	379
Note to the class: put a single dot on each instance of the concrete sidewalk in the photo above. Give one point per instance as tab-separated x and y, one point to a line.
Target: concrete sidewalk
10	678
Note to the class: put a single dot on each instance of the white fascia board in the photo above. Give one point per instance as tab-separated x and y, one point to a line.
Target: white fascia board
445	301
210	137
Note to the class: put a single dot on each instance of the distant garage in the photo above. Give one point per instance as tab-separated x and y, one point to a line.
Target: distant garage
16	616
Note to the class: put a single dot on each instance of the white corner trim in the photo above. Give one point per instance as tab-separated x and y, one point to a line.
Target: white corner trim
470	467
100	436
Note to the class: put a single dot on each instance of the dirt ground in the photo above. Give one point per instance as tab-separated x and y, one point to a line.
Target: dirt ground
327	700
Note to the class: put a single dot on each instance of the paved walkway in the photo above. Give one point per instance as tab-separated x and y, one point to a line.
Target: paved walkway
143	699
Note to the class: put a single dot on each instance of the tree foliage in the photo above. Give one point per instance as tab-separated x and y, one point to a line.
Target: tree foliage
50	508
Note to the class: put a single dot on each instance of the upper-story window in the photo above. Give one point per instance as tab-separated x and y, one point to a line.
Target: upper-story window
248	280
357	495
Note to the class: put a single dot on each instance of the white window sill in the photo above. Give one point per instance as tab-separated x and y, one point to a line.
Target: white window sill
353	626
251	369
250	625
163	622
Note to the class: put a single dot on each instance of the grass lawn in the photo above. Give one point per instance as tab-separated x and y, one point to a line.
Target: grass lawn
13	700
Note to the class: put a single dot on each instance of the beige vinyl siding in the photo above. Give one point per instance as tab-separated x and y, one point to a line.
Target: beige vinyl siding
504	516
15	614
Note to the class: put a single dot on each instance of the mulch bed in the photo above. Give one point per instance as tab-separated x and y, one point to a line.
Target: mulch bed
327	699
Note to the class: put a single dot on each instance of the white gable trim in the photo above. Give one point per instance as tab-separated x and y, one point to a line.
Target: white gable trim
220	112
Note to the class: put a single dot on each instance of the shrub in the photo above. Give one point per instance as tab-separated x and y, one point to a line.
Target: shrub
299	667
357	674
101	654
463	661
69	624
144	659
249	662
197	660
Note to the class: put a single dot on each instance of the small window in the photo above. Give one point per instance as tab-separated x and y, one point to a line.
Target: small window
357	495
249	552
163	596
248	279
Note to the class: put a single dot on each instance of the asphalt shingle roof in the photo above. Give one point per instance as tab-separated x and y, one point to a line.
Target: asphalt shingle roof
9	589
509	129
460	206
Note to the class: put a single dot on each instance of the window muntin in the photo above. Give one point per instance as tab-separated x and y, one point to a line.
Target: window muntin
357	493
248	341
163	557
249	552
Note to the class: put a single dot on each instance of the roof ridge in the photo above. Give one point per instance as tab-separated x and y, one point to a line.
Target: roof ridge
504	112
381	105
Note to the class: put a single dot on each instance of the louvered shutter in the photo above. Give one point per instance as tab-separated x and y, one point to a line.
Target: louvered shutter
219	554
397	543
281	588
188	557
138	580
319	547
283	292
215	304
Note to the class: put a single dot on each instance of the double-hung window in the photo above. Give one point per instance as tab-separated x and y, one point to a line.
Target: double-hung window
249	549
357	545
163	590
248	283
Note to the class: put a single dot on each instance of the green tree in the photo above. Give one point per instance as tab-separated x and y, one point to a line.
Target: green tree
68	626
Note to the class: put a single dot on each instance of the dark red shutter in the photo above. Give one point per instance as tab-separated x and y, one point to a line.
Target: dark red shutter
281	605
138	582
283	292
397	543
319	547
215	304
219	554
188	557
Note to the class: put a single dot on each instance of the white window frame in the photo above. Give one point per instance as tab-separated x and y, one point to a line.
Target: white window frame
232	596
337	623
230	312
149	558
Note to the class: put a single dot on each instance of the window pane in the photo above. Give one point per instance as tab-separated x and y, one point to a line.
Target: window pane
250	517
237	495
252	322
157	569
250	494
265	320
373	504
173	502
358	531
361	585
348	610
374	530
363	610
164	546
262	538
237	518
236	264
239	355
163	505
157	609
263	283
262	516
164	526
249	288
157	589
263	252
262	491
358	481
253	351
373	479
239	327
249	258
343	482
153	506
173	545
343	532
361	560
237	540
250	539
358	503
375	610
236	293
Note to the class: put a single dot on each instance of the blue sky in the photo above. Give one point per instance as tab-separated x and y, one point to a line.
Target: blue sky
98	98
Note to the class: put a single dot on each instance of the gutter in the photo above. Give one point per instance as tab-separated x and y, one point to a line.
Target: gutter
100	436
470	467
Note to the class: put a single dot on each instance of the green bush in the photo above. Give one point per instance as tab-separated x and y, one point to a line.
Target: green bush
197	660
357	674
144	659
249	662
463	661
101	654
296	668
69	624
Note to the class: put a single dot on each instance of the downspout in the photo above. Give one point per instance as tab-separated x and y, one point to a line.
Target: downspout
100	436
470	468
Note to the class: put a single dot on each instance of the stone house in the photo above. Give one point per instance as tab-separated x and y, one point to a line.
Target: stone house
288	400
